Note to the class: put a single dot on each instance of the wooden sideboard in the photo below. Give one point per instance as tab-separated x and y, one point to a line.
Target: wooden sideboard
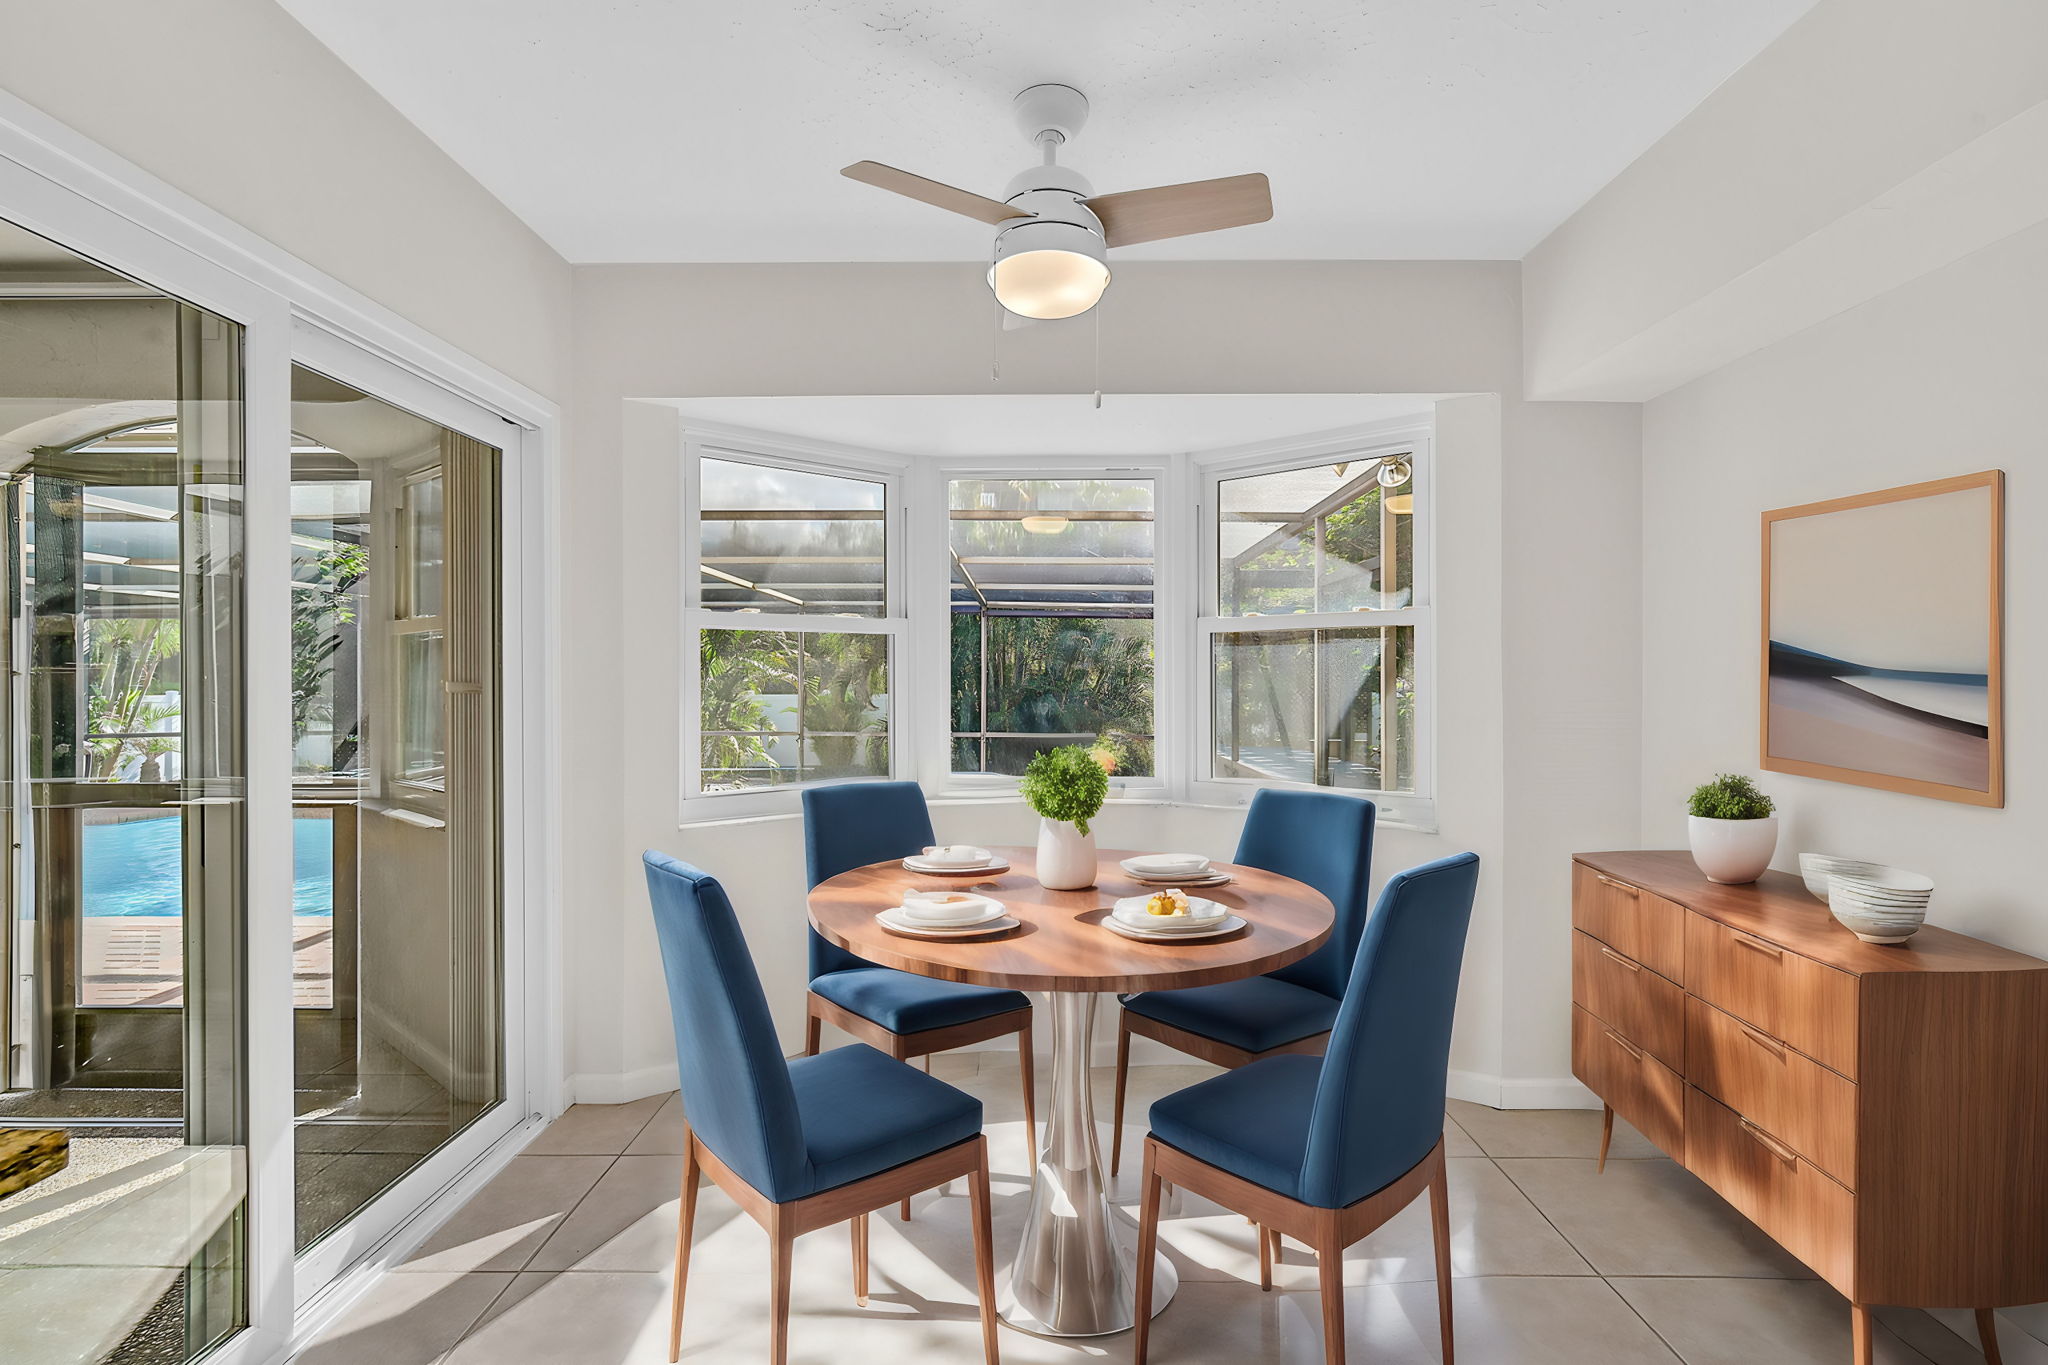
1881	1112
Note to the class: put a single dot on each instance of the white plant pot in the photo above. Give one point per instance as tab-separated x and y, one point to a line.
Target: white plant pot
1066	856
1732	851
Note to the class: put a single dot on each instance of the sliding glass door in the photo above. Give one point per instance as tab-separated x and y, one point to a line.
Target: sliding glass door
123	1117
395	704
184	886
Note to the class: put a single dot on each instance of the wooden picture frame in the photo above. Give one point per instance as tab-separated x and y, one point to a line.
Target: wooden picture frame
1844	694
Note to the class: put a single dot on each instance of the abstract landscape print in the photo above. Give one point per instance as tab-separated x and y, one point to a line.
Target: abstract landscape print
1881	639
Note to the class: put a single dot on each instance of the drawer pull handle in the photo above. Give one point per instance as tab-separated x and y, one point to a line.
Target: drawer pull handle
1617	957
1757	945
1622	887
1625	1045
1771	1144
1769	1045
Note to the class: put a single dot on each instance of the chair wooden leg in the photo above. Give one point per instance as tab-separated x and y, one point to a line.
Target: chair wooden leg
984	1255
860	1259
814	1033
1330	1275
1440	1232
1148	1246
781	1238
1025	1051
1987	1335
1265	1261
1123	1071
1606	1135
685	1223
1862	1335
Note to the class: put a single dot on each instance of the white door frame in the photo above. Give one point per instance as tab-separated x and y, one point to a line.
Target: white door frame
56	182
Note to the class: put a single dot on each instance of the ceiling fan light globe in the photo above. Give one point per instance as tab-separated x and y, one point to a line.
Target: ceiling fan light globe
1048	285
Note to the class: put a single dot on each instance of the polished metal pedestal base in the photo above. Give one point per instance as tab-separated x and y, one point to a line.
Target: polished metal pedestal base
1075	1270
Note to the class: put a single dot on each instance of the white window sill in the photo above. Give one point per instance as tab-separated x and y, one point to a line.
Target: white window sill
1415	814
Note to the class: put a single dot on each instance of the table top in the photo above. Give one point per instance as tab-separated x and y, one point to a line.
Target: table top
1061	944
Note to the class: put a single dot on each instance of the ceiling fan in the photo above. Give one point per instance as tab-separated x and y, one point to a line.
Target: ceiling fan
1053	232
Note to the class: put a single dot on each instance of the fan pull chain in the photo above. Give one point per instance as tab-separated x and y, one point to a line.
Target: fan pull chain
1097	311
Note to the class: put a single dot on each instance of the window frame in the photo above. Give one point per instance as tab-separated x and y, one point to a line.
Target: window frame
933	613
701	441
1411	438
423	787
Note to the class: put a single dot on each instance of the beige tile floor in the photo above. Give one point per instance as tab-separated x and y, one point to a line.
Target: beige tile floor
565	1258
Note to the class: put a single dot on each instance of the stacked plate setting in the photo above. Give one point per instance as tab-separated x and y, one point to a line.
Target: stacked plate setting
949	859
1174	869
1883	905
1204	918
944	912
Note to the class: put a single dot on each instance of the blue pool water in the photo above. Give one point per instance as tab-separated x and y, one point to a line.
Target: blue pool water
136	868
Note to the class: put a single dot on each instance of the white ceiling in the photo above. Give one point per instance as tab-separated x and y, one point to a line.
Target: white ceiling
1127	424
687	130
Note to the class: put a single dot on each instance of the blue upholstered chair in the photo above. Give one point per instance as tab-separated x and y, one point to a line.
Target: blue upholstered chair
1326	1149
798	1144
1323	839
901	1013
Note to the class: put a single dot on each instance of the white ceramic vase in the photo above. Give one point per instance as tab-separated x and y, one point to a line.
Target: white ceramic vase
1732	851
1066	856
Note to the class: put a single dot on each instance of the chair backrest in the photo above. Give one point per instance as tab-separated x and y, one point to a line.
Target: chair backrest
849	825
1323	839
1379	1103
736	1088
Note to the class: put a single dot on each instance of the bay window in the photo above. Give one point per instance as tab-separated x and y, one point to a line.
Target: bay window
1202	625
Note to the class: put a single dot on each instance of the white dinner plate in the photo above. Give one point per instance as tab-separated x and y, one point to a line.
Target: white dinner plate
970	910
909	928
1229	925
1166	865
1186	883
987	869
1135	866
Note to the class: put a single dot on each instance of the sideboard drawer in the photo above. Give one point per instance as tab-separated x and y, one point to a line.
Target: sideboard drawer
1637	1003
1629	1080
1638	924
1786	1195
1790	1095
1790	997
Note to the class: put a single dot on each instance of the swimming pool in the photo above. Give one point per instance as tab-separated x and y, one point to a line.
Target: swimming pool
136	867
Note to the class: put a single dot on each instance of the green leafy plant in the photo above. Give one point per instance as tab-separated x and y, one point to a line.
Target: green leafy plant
1729	796
1066	784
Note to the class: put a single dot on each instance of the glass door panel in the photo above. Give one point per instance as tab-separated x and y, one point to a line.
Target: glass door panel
122	1081
395	668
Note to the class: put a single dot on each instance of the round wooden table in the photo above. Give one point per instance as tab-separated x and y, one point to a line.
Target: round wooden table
1073	1275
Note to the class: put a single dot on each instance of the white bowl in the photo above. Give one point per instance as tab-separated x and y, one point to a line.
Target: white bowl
1815	867
1891	881
944	908
1201	914
1166	864
953	855
1875	928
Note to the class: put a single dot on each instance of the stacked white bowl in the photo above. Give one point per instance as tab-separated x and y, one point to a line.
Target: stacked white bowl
1815	867
1884	905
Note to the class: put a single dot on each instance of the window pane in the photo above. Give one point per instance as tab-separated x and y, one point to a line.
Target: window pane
1316	706
423	551
790	541
1052	625
782	706
420	744
1310	539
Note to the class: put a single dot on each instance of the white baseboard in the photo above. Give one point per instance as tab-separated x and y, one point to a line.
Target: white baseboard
1515	1092
620	1087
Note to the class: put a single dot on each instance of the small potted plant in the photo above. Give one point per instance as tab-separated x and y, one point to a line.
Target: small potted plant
1732	829
1066	786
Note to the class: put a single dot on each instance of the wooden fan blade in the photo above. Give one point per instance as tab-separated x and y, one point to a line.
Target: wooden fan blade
932	192
1182	210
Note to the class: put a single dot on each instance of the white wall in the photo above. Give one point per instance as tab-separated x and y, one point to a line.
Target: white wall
327	170
1942	377
666	332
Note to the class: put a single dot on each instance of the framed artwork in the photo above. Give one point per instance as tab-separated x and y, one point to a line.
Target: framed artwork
1881	639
